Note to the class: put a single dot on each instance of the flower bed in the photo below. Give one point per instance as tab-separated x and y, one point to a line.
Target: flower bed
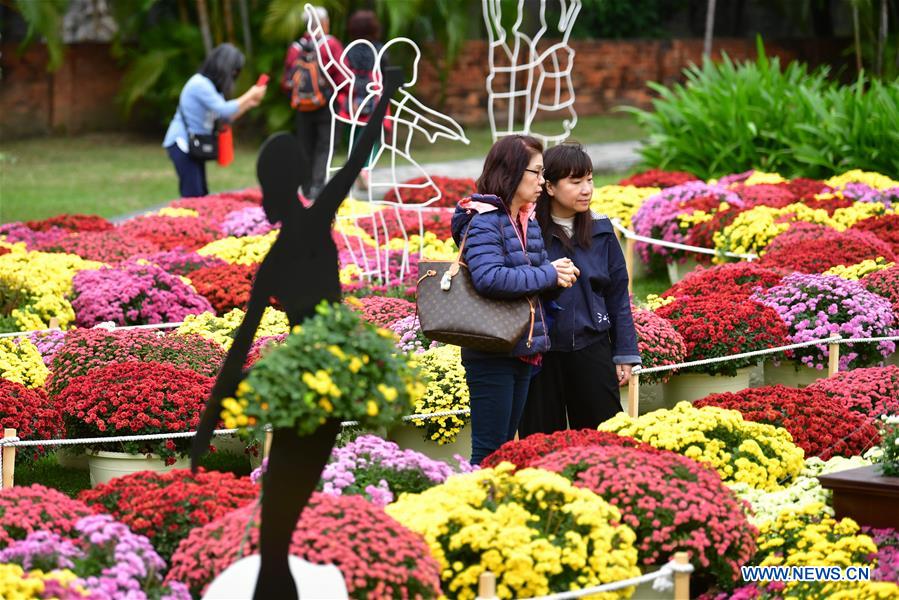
819	306
885	283
166	506
451	189
246	221
225	286
15	582
885	227
86	349
30	413
533	529
380	471
133	295
378	557
445	390
837	248
525	452
672	502
76	223
383	310
873	391
21	362
658	178
168	233
710	332
222	329
410	339
659	344
760	455
30	508
620	201
739	279
110	560
110	246
180	262
820	425
136	398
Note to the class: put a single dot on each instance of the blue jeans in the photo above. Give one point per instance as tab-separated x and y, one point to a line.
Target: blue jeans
499	389
191	173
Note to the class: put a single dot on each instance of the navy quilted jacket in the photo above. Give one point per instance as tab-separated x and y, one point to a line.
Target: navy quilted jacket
499	267
599	303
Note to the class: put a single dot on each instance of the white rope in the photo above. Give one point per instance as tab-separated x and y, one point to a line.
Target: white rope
656	242
113	328
420	416
104	440
886	338
695	363
664	573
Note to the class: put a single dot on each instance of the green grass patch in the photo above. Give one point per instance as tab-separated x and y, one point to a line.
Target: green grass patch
113	174
650	284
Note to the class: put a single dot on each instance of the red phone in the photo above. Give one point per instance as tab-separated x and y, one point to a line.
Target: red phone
263	79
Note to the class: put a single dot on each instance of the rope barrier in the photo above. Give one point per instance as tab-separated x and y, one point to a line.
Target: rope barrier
662	577
113	328
630	234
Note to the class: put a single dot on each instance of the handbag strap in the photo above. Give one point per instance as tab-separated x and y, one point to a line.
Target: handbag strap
183	120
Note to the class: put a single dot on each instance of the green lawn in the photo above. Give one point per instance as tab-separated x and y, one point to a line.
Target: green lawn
112	174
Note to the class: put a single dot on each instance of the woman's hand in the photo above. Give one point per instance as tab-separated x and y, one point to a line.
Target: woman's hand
566	272
250	99
624	373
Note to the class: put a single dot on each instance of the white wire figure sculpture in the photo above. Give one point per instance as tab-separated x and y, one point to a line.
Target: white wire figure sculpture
525	85
408	120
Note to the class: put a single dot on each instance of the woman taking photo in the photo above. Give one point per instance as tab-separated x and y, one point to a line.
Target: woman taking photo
594	344
201	103
506	258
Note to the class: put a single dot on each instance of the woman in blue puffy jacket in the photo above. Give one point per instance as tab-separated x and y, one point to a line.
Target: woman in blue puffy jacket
506	258
594	344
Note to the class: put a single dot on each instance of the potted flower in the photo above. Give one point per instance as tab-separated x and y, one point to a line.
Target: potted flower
523	453
134	398
673	504
873	391
340	366
445	389
820	306
346	531
663	217
109	560
885	283
715	326
757	454
380	470
567	538
25	509
166	506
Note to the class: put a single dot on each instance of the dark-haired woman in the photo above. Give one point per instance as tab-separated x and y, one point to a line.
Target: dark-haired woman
594	344
505	254
201	103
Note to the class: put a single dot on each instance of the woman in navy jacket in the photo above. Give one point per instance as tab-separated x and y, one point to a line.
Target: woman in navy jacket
594	344
506	258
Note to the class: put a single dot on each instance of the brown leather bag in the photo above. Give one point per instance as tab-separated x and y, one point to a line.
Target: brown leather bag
451	311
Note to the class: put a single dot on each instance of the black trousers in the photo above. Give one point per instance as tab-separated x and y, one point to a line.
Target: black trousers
314	134
572	389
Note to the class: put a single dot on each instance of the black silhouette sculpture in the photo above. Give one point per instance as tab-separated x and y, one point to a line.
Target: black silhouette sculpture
300	271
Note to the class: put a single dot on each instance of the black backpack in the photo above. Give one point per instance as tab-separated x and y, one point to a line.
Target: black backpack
362	64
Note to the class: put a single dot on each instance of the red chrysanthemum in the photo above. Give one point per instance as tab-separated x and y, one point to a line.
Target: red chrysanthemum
525	452
225	286
658	178
29	508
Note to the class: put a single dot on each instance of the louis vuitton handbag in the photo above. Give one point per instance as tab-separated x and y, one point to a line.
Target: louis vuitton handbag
451	311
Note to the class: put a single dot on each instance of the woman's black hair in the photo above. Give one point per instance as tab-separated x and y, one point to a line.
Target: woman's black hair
566	160
222	66
364	25
505	164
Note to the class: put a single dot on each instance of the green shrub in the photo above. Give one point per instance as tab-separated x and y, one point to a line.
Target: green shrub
732	117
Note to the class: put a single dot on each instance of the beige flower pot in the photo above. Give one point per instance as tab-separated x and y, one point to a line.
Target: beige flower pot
693	386
410	437
105	466
789	374
679	270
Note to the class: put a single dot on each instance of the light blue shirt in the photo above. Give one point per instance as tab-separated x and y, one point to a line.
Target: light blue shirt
201	104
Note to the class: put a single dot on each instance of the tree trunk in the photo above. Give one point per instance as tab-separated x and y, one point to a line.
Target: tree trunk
858	37
182	12
709	28
881	38
229	20
203	18
245	24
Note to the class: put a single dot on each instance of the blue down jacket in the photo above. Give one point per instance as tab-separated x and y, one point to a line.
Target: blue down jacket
599	301
499	267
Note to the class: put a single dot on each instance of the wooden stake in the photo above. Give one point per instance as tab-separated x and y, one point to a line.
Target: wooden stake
487	586
629	255
833	362
633	396
681	580
9	459
267	445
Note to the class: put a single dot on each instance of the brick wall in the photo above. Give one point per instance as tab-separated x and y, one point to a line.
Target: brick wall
80	96
608	73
